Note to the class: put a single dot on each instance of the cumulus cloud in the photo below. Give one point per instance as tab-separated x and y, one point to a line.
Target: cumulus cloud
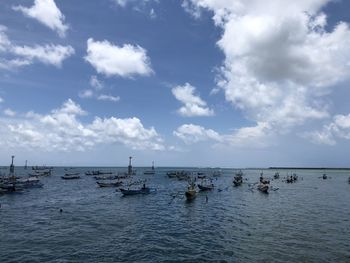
96	83
113	60
61	130
85	94
14	56
338	128
191	133
47	13
256	136
108	98
280	60
193	104
9	112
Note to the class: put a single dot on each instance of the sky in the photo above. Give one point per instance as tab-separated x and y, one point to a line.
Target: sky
203	83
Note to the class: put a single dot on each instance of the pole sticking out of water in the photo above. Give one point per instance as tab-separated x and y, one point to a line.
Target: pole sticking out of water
130	167
26	166
12	167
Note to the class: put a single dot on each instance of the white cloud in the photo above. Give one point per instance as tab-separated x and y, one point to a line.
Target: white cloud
14	56
280	61
9	112
256	136
113	60
61	130
1	100
96	83
191	133
339	128
85	94
193	104
108	98
47	13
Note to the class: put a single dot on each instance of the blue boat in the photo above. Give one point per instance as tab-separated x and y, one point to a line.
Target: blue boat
142	191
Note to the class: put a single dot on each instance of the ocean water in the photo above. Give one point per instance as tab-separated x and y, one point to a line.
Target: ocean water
307	221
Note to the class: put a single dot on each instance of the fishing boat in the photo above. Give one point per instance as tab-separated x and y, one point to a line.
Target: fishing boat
97	172
264	188
107	177
143	190
71	176
238	179
324	176
191	192
276	175
206	185
109	184
150	172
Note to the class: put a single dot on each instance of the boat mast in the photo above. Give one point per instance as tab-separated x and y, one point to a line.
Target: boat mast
152	165
130	167
25	166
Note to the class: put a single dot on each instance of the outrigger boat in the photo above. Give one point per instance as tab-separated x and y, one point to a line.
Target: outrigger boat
205	185
71	176
109	184
238	180
143	190
191	192
263	187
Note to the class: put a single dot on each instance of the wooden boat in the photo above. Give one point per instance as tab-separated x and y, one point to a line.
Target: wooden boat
324	176
143	190
237	181
150	172
71	176
109	184
264	188
205	187
191	192
276	175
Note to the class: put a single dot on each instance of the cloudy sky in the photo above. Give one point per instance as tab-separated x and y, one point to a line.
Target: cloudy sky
230	83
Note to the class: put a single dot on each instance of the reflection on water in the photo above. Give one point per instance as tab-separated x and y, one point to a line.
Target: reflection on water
307	221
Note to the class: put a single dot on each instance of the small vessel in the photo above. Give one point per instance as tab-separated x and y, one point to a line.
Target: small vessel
109	184
71	176
324	176
191	192
238	179
206	185
152	171
97	172
276	175
143	190
264	188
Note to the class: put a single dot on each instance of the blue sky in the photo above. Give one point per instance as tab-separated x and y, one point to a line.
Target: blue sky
228	83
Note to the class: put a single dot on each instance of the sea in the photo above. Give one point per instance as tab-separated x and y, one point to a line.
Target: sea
305	221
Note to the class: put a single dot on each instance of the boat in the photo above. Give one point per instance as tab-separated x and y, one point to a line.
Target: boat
276	175
349	179
109	184
237	181
206	185
324	176
191	192
71	176
150	172
97	172
264	188
143	190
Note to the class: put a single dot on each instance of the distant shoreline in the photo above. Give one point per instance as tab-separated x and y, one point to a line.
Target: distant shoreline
308	168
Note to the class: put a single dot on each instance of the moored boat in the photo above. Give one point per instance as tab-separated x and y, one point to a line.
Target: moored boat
205	187
109	184
191	192
324	176
143	190
71	176
263	188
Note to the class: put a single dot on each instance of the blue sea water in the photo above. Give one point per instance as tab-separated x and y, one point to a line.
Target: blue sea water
307	221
